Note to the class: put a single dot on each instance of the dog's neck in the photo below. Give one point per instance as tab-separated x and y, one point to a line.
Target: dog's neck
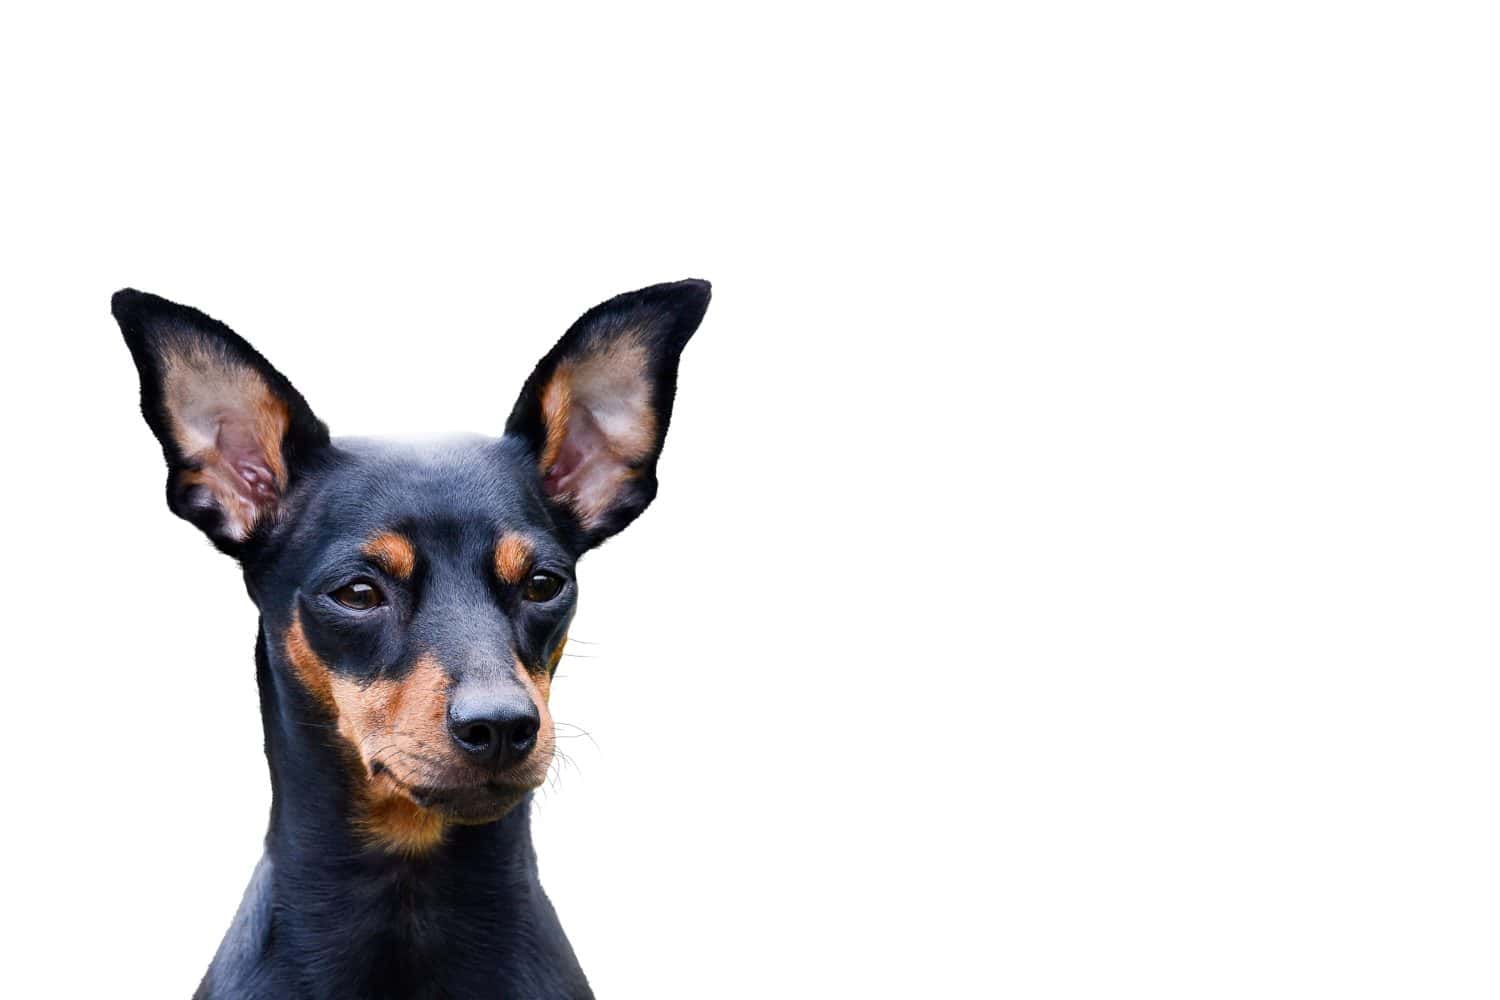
363	918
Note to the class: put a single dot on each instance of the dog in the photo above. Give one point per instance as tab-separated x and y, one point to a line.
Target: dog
414	602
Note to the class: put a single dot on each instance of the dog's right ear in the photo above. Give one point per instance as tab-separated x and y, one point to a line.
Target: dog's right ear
232	428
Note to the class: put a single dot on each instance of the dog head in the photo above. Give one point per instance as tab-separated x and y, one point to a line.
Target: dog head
415	598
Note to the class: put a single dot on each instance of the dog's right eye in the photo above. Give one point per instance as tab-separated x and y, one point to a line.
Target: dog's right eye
360	595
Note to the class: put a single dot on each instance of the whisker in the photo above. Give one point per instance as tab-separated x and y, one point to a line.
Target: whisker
581	732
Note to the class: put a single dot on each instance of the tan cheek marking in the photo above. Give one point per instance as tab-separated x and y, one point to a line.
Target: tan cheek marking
409	719
311	671
393	552
419	709
534	769
556	657
359	711
406	715
513	558
362	713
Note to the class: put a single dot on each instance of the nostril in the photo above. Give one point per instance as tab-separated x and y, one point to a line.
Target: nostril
478	736
523	734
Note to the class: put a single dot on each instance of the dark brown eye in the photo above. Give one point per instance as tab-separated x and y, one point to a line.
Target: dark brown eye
542	587
361	595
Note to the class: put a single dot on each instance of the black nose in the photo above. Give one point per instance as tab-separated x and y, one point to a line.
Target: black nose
496	730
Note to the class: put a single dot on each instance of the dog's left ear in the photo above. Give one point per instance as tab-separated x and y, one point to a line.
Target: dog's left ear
234	432
594	414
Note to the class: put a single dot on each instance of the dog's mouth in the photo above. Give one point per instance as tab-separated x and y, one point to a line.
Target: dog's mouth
478	801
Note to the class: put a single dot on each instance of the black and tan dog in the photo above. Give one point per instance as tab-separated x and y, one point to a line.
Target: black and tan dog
414	601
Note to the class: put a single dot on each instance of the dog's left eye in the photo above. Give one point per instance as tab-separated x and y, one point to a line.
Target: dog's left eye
542	587
361	595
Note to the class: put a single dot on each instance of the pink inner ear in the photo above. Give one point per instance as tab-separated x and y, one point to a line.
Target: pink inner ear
241	453
234	474
228	427
600	407
583	447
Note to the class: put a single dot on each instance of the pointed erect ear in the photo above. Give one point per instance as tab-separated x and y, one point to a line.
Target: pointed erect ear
594	413
233	429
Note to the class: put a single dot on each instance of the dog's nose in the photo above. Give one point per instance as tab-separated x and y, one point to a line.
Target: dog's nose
495	729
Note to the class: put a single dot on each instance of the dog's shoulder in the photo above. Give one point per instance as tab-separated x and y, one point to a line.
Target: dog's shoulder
240	967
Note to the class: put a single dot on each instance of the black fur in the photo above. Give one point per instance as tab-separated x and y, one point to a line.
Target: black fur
326	913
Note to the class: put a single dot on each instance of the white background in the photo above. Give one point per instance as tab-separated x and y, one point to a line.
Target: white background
1074	573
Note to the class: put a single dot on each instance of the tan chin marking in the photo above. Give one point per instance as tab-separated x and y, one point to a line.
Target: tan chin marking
386	716
394	822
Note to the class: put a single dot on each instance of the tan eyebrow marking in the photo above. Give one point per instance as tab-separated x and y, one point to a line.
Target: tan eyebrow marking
393	552
513	557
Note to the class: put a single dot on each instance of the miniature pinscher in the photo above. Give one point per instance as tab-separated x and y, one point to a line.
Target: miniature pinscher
414	602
